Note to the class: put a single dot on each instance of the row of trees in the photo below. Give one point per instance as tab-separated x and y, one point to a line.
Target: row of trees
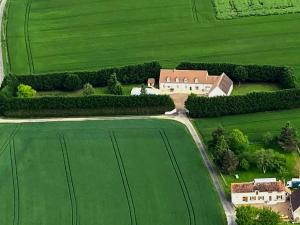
252	73
131	74
230	150
250	103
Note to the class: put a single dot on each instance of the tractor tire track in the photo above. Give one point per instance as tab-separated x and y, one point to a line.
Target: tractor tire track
6	142
4	38
178	173
195	10
27	39
15	179
71	187
128	193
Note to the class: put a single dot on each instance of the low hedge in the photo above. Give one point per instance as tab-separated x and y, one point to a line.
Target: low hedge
131	74
256	73
90	105
250	103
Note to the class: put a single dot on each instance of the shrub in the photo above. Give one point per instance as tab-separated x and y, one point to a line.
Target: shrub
244	164
114	86
88	89
268	138
72	82
238	141
288	138
25	91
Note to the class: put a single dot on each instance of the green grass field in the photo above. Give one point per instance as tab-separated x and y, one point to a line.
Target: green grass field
227	9
54	35
246	88
104	172
254	125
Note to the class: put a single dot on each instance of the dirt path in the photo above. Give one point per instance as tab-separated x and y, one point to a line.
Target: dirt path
182	118
2	7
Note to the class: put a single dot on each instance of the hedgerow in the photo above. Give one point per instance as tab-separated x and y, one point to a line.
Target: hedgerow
250	103
256	73
89	105
131	74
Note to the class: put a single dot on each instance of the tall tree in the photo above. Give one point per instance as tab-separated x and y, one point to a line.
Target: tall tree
220	149
114	86
216	134
246	215
238	141
288	138
229	162
264	159
268	217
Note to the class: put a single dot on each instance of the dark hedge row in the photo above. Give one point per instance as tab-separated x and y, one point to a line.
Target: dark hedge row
250	103
256	73
132	74
91	105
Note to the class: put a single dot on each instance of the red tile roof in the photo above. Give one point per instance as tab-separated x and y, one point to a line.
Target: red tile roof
252	187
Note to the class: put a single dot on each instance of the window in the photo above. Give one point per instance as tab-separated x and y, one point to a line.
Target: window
252	198
185	80
168	79
245	199
279	197
196	80
197	88
177	80
261	198
191	88
256	192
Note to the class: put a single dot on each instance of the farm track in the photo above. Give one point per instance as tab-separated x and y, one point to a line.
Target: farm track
27	39
195	10
16	189
71	188
6	142
123	174
178	173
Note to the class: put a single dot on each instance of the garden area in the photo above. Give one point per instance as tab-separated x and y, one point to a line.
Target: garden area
246	88
257	145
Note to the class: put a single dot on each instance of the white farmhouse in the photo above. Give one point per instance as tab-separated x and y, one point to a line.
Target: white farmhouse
194	81
267	191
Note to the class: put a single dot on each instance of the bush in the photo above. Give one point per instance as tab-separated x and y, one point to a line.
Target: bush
114	86
268	138
132	74
250	103
25	91
72	82
88	89
255	73
244	164
89	105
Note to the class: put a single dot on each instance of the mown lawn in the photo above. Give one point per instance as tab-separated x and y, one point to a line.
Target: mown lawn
87	35
104	172
246	88
254	125
98	91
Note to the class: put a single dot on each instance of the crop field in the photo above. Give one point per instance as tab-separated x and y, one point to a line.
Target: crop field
54	35
104	172
228	9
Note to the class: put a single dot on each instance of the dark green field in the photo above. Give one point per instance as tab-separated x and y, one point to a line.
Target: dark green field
131	172
55	35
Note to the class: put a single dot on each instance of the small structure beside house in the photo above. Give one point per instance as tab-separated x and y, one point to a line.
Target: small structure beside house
151	82
266	191
149	91
194	81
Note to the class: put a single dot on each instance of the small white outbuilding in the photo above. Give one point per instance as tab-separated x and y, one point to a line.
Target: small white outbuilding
149	91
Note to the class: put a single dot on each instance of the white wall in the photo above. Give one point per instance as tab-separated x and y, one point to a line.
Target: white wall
296	215
259	197
185	87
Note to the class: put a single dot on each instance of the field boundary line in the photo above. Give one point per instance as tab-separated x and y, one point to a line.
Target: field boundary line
71	188
15	180
6	142
125	182
4	12
27	39
178	173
